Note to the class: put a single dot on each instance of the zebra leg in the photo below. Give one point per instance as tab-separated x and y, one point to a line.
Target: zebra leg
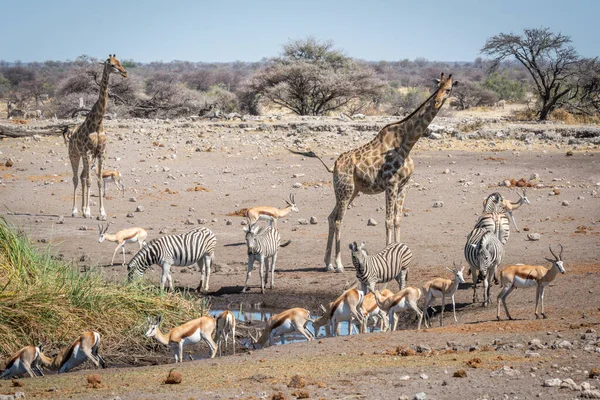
207	263
426	307
267	266
261	272
166	275
474	276
250	264
398	212
273	270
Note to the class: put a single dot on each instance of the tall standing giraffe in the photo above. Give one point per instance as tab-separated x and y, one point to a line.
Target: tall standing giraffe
88	142
383	164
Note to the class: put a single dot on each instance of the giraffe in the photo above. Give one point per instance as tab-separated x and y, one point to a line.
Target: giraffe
88	142
381	165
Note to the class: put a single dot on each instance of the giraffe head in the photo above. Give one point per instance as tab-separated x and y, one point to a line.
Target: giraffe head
115	65
443	90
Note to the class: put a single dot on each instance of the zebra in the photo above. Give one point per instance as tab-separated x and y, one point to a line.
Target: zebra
194	246
390	263
263	244
483	252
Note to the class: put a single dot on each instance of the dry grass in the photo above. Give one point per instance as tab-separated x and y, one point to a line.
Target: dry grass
42	299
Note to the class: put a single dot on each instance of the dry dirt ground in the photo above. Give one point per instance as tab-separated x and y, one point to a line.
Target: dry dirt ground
179	172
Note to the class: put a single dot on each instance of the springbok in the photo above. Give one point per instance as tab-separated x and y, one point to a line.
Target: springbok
271	214
345	308
129	235
109	175
22	362
370	310
496	203
442	287
288	321
225	326
189	333
84	348
524	276
404	300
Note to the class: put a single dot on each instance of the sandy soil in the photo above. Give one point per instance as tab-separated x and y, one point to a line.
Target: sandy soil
240	166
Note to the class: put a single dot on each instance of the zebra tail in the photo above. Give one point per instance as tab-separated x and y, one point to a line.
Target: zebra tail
286	243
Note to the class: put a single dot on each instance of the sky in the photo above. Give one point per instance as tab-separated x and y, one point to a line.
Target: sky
251	30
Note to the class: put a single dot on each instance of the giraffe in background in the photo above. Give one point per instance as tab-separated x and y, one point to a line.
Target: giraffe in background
88	142
381	165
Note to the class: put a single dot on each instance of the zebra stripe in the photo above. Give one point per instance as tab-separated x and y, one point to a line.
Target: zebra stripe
390	263
194	246
263	244
497	223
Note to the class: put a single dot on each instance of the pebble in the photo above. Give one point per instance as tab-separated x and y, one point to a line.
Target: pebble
132	199
202	221
139	209
438	204
314	220
129	215
554	382
371	222
297	185
420	396
303	221
424	376
534	236
189	221
565	203
61	220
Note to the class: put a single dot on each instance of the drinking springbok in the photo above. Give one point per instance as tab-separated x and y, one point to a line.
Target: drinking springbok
85	347
24	361
288	321
404	300
345	308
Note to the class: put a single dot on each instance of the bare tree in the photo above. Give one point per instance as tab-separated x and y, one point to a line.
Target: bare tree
548	57
312	78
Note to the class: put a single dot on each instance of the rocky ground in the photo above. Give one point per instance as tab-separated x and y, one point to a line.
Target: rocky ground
182	173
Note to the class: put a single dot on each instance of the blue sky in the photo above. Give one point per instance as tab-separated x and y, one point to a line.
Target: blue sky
230	30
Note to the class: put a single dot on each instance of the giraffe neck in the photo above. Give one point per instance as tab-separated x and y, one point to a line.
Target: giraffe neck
404	134
97	113
414	127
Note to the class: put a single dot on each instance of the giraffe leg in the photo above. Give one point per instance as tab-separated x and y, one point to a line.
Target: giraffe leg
85	186
339	266
101	194
390	212
331	219
74	158
398	212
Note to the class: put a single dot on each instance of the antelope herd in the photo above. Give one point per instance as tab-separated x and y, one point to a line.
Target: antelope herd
361	170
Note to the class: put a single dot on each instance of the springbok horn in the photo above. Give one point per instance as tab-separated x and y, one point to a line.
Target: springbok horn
550	246
561	250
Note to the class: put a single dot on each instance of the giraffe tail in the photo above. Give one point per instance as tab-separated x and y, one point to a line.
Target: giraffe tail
313	155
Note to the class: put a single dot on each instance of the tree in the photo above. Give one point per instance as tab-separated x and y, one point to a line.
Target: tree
473	94
312	78
549	59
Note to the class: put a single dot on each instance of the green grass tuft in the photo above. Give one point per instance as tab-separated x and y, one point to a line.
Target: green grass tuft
42	299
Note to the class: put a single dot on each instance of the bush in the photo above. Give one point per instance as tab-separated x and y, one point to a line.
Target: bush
505	88
44	299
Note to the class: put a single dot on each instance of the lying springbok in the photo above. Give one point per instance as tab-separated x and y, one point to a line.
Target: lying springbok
524	276
271	214
225	326
84	348
370	310
22	362
189	333
442	287
294	319
404	300
345	308
129	235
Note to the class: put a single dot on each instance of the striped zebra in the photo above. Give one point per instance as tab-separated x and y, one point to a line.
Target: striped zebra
390	263
496	223
195	246
263	244
483	252
493	203
496	203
